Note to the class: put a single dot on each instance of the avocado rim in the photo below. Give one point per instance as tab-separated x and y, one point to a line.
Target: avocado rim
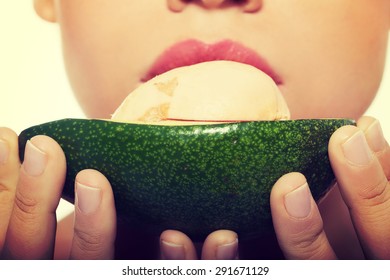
195	178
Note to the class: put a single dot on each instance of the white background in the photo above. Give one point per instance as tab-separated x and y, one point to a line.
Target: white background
33	84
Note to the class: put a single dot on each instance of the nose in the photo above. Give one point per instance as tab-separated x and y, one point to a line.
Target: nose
249	6
212	3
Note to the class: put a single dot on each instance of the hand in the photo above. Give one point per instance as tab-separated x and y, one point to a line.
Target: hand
29	196
30	193
360	158
221	244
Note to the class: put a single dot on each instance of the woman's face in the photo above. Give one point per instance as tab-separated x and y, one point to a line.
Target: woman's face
327	56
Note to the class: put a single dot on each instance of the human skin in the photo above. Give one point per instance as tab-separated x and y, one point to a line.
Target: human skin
329	56
326	53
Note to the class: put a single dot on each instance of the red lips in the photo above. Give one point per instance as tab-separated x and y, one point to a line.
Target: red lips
193	51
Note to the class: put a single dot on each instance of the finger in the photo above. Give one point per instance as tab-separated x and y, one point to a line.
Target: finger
175	245
377	142
9	174
32	225
221	245
364	187
297	221
95	217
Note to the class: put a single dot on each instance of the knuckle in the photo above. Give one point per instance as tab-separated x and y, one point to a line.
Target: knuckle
88	241
28	207
7	193
305	239
376	206
309	243
376	194
6	200
6	190
3	188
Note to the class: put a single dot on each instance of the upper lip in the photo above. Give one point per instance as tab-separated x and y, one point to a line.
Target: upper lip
192	51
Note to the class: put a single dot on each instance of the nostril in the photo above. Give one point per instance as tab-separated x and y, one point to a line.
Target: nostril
177	5
213	3
252	6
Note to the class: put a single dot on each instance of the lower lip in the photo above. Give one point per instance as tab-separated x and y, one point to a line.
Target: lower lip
190	52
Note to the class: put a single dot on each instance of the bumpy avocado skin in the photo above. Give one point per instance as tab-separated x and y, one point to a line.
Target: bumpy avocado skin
196	178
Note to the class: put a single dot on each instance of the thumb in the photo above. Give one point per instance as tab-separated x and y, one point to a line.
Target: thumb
95	217
297	221
360	158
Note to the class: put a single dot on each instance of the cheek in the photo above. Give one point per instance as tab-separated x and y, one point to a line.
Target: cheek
98	73
102	61
338	71
340	89
317	104
98	83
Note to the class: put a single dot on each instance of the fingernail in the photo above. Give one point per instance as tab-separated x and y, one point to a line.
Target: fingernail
4	152
34	160
298	202
228	251
87	198
356	149
172	251
375	137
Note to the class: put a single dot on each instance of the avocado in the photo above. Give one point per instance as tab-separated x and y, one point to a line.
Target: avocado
195	178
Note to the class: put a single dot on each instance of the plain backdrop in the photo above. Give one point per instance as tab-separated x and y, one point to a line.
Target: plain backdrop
33	84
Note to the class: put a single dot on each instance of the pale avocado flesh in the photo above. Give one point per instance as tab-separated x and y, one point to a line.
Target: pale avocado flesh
195	178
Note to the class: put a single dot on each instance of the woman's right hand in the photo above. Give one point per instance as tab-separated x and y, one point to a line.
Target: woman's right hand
29	196
360	158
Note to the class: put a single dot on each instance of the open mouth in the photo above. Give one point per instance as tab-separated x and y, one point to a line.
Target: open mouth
193	51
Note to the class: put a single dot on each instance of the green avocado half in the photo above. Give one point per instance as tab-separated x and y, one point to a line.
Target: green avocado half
195	178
